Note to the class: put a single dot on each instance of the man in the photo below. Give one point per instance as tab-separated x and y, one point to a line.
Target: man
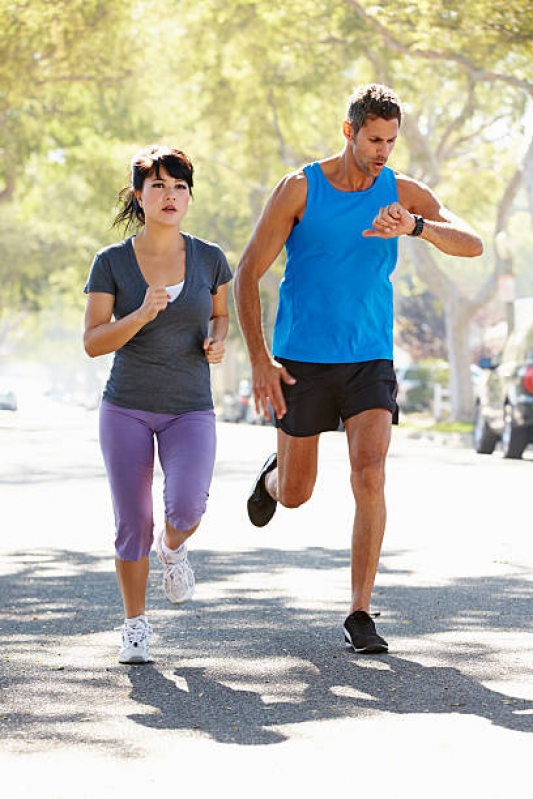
340	220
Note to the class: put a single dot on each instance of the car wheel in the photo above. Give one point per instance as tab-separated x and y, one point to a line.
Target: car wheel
514	438
484	439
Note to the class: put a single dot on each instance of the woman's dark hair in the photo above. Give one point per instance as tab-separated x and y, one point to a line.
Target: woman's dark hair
147	162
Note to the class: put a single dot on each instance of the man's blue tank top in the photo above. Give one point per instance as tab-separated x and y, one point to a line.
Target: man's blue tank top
335	300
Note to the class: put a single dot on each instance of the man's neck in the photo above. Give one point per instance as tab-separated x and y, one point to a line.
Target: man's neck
344	174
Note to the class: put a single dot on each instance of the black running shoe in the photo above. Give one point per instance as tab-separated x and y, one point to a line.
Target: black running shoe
261	506
360	632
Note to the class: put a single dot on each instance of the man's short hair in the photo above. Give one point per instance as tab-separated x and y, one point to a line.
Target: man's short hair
372	101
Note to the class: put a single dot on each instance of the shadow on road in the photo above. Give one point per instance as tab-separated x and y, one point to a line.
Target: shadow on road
242	669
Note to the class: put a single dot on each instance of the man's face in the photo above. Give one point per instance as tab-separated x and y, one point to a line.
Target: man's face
373	144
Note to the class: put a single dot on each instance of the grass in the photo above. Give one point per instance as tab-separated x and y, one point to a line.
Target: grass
425	422
452	427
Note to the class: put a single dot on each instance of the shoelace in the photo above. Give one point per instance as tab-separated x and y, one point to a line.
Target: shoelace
136	633
183	571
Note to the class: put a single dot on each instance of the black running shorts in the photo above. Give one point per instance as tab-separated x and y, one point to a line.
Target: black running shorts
325	393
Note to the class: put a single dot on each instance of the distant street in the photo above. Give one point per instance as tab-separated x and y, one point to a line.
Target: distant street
252	690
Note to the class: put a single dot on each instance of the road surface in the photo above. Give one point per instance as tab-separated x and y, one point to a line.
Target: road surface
252	690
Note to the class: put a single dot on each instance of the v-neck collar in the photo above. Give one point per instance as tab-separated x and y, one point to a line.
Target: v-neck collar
186	279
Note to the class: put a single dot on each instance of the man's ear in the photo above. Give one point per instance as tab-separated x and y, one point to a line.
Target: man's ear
347	130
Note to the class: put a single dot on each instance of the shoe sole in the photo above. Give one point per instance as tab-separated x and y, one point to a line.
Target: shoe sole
371	649
135	660
252	499
186	598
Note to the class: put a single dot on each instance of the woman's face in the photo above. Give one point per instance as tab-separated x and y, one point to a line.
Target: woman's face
164	199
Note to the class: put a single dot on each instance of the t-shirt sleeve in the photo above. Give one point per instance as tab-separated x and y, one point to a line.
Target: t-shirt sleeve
221	272
101	277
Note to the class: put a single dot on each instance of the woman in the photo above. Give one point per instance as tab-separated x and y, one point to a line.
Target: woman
167	293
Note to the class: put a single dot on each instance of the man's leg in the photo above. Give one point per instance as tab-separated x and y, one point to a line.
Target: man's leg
368	436
287	476
293	481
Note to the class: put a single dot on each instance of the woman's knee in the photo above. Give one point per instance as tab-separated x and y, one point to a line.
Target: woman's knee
185	512
134	543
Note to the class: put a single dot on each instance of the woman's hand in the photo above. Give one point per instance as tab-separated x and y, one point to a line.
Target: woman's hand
155	300
214	350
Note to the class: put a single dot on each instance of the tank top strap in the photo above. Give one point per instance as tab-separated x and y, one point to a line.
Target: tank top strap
390	182
312	173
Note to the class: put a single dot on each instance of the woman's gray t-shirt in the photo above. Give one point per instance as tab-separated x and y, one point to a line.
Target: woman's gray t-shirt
163	368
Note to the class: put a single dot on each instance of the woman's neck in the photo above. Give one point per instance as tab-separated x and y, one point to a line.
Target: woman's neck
160	240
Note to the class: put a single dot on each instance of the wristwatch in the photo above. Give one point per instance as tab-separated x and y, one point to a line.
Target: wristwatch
419	225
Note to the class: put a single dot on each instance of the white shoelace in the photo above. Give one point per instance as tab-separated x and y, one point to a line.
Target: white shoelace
137	633
183	571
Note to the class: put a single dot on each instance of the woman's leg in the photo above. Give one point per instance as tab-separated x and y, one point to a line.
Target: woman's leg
187	448
187	453
132	578
128	450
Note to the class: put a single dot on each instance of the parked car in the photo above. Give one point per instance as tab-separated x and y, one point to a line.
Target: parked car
8	400
238	407
259	418
504	399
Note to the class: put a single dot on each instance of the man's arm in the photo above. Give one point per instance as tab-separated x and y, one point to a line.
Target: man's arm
444	230
286	203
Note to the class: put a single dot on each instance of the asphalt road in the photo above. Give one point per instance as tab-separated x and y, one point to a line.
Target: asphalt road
252	690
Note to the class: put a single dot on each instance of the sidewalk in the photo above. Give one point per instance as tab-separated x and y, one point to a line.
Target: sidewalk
252	691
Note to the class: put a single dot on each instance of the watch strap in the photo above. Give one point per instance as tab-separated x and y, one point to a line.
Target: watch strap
419	225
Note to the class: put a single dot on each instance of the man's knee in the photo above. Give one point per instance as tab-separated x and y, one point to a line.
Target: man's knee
369	476
294	496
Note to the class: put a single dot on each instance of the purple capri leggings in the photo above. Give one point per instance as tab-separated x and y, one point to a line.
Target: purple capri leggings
186	446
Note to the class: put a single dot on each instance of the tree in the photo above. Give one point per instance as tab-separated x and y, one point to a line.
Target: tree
68	72
56	61
473	40
252	90
447	130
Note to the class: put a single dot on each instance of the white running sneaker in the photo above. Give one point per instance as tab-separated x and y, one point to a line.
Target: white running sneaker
178	577
135	642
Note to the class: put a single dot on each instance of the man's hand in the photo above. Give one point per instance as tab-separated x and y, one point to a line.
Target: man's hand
266	384
390	222
214	350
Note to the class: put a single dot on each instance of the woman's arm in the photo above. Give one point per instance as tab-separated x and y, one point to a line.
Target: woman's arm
103	336
214	345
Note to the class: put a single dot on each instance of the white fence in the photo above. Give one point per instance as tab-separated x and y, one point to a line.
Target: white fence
441	402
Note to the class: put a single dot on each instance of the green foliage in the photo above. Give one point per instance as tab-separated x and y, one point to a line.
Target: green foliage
419	379
250	90
465	428
419	316
60	63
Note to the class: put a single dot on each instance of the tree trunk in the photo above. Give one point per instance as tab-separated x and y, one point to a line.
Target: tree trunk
7	193
457	318
528	177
